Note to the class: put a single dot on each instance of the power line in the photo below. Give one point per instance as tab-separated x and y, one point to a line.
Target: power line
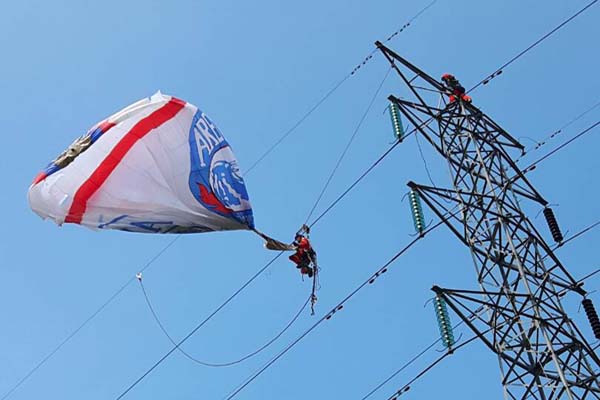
87	320
558	131
111	298
337	308
340	305
296	125
347	147
426	122
222	364
581	232
499	71
402	368
367	171
200	325
415	358
356	182
317	219
332	90
406	387
264	155
165	356
435	342
370	280
580	134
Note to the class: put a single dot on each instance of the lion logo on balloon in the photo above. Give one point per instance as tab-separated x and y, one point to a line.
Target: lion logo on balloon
215	179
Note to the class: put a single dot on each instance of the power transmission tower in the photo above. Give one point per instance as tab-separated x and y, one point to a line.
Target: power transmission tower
541	352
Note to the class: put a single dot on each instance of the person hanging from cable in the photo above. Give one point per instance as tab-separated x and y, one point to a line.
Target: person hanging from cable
457	90
305	255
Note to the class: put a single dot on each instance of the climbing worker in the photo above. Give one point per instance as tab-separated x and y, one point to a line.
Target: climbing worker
458	91
304	255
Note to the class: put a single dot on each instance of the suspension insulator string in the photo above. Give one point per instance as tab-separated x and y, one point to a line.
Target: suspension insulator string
443	319
396	121
592	316
553	225
417	211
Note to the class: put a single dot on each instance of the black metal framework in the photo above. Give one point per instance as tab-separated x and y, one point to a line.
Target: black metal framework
541	352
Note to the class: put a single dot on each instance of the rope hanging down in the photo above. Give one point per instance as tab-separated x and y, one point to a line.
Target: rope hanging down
210	364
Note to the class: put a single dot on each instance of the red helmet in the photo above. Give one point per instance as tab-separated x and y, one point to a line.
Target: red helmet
447	76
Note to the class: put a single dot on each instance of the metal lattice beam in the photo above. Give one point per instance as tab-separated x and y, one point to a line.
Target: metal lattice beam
541	352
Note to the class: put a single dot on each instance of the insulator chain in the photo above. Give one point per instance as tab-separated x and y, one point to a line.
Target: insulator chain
417	211
396	121
553	225
446	331
592	316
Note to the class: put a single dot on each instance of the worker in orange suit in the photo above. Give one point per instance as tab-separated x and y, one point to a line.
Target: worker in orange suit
458	91
304	255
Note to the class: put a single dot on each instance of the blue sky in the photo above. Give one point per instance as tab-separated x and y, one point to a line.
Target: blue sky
256	68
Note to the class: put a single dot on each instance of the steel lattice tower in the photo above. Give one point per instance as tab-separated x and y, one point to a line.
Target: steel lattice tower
541	352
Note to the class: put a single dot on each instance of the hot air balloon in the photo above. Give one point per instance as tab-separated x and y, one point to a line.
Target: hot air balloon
158	166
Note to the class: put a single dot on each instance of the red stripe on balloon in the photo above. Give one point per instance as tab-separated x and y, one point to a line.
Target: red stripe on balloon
112	160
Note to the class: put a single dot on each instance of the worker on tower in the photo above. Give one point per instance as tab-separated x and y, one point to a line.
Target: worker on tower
304	255
458	91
